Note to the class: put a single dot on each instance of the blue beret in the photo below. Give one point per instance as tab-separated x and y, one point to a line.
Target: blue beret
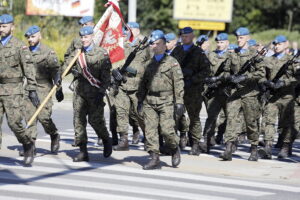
156	35
6	19
170	36
252	42
279	39
202	37
32	30
232	47
186	30
85	19
222	36
133	25
242	31
87	30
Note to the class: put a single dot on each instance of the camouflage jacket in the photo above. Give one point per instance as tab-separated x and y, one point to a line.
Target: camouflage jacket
75	44
99	66
273	65
194	65
137	65
257	72
46	66
162	82
15	64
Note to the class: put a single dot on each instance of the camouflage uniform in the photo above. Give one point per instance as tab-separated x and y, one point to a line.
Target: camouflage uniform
46	66
75	44
195	68
218	101
15	63
160	88
281	104
87	99
126	101
244	97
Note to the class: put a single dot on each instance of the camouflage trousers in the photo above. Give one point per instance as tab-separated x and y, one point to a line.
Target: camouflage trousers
281	110
12	105
126	105
44	117
297	116
213	106
160	116
251	113
193	103
182	124
93	110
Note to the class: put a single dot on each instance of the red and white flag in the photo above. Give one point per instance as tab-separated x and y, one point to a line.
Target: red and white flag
108	31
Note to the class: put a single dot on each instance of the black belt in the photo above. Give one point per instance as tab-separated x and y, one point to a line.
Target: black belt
160	94
11	80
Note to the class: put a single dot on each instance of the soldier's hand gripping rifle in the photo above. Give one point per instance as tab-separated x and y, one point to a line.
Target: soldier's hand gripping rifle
238	77
118	74
270	86
199	43
214	81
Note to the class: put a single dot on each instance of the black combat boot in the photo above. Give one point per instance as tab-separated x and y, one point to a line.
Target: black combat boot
284	151
279	143
227	154
254	154
83	154
266	152
154	163
21	152
183	140
176	157
195	149
107	147
123	143
115	138
55	143
136	137
28	153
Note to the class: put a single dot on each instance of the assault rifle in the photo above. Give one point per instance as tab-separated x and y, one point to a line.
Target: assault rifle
266	90
118	74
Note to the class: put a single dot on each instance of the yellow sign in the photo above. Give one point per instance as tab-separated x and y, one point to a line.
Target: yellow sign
206	10
202	25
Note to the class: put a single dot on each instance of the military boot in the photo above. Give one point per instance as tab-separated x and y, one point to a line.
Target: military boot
123	143
254	154
154	163
136	137
284	151
55	143
21	152
242	138
279	141
107	151
115	138
227	154
28	153
176	157
195	149
183	140
83	154
219	139
266	152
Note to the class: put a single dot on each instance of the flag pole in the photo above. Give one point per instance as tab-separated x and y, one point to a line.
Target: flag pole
52	90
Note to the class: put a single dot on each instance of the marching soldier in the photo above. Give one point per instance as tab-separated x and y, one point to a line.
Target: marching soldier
161	88
92	72
15	64
281	104
217	101
126	100
195	68
47	71
243	96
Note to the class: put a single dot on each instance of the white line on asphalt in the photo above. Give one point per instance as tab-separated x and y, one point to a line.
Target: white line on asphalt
142	180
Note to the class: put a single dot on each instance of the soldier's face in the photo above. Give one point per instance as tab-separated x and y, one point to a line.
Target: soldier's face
280	47
242	40
158	47
88	24
222	45
6	29
86	40
34	39
171	44
187	38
